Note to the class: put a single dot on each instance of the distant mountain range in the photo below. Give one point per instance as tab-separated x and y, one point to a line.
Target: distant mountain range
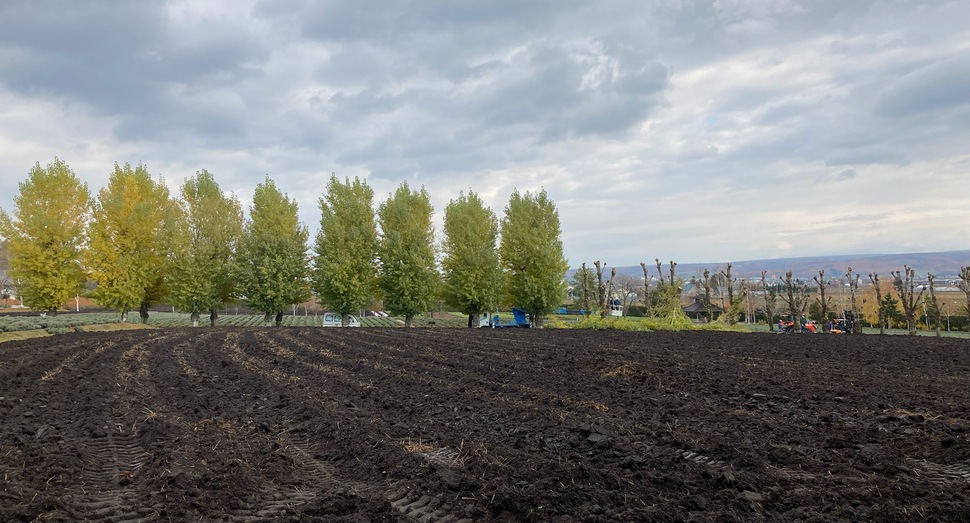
943	265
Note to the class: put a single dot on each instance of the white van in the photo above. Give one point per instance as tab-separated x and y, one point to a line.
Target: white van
332	319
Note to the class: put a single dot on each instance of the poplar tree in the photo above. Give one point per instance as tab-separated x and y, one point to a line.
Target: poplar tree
46	234
272	255
344	269
129	241
203	265
532	254
408	278
472	273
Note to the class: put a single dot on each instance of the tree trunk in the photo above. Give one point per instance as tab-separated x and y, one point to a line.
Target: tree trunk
905	285
607	305
279	318
267	318
143	313
646	290
408	319
936	306
797	301
707	296
601	289
730	292
195	319
820	280
853	280
874	278
965	287
767	295
213	316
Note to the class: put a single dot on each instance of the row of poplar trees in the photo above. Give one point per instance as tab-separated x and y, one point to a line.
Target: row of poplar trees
197	252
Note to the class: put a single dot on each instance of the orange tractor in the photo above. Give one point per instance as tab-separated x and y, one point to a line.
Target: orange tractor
788	324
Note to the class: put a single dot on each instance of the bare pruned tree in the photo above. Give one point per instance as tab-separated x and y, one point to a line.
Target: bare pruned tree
964	285
585	289
769	301
601	288
905	284
732	309
853	280
608	302
665	298
874	278
796	296
934	306
646	290
730	282
707	295
742	297
821	300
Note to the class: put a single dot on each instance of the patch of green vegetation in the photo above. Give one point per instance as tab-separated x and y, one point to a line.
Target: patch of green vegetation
673	322
22	335
111	327
54	324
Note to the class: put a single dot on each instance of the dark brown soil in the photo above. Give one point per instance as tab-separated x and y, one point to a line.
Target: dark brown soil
433	425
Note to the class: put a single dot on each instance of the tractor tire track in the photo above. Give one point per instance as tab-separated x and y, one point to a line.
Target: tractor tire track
428	508
113	461
107	480
942	475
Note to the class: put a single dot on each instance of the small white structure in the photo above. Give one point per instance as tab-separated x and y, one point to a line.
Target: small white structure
333	319
616	307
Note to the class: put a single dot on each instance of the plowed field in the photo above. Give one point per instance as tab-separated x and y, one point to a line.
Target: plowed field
433	425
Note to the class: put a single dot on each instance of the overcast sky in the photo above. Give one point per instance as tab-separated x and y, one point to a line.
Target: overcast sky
698	131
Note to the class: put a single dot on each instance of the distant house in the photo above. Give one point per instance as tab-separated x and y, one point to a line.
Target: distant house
7	291
697	311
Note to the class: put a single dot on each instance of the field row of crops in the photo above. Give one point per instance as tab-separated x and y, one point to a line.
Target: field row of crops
54	324
66	322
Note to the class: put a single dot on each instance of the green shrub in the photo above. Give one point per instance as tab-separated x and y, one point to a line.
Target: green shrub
594	322
674	321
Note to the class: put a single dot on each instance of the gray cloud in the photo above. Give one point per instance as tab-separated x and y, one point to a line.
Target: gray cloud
940	85
847	174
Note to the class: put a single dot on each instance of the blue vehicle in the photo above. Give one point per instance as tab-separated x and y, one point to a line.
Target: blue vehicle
519	320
